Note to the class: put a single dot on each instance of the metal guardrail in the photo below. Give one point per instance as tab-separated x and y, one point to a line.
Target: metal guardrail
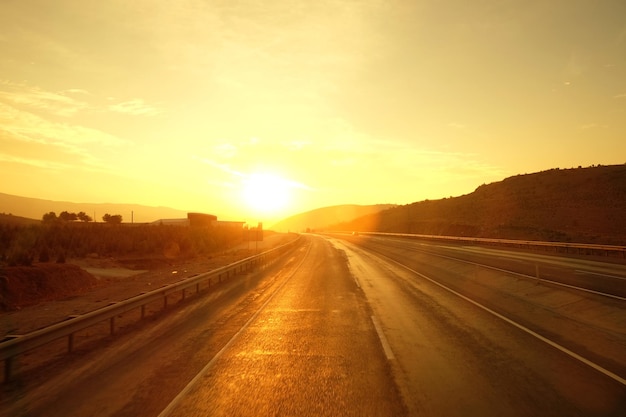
531	244
15	345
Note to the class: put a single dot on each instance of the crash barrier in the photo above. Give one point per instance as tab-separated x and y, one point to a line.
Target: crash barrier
574	248
14	345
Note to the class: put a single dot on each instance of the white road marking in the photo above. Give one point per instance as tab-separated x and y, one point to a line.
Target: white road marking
617	297
580	271
383	339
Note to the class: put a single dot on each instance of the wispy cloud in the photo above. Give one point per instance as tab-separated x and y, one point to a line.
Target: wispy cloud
623	95
30	127
57	103
243	177
34	162
135	107
225	150
65	102
220	166
76	91
32	140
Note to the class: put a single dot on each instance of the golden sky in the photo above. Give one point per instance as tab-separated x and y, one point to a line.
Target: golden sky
214	106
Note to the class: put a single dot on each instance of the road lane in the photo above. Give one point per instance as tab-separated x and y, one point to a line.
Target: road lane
340	331
606	277
454	359
313	350
590	324
136	374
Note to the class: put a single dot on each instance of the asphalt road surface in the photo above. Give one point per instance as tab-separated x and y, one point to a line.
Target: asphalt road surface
454	358
336	329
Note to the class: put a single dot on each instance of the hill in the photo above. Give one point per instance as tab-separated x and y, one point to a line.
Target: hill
323	217
16	220
35	208
585	205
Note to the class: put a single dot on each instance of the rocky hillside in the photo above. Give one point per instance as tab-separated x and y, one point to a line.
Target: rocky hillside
585	205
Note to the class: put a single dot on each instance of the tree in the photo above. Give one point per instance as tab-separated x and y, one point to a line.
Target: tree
50	217
83	217
112	219
67	216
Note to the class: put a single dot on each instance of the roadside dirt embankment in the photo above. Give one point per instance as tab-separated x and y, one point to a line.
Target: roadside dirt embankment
43	294
22	286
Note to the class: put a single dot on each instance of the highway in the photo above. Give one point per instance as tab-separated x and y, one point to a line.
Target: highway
452	355
356	326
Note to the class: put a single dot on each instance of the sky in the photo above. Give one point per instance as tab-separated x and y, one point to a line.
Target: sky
256	110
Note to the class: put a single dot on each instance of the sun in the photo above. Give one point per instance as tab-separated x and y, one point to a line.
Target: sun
266	193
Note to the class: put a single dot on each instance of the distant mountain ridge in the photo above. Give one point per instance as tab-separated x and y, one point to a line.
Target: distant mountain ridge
325	216
586	205
35	208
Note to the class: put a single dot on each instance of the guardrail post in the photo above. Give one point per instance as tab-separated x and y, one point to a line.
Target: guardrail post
143	311
184	293
197	288
70	343
112	325
537	273
164	301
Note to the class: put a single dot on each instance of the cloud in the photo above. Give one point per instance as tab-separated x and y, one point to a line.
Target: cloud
623	95
30	127
56	103
220	166
225	150
31	140
243	177
37	163
135	107
77	91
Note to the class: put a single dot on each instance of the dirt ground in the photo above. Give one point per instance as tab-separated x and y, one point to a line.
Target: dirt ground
99	282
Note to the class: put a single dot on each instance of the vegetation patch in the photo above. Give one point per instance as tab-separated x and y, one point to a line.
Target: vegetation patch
33	256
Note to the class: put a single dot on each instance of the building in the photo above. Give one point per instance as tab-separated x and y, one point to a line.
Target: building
201	219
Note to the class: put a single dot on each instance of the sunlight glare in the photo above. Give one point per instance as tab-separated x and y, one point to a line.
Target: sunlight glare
266	193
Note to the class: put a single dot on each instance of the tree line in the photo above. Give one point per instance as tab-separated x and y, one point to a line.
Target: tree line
66	216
